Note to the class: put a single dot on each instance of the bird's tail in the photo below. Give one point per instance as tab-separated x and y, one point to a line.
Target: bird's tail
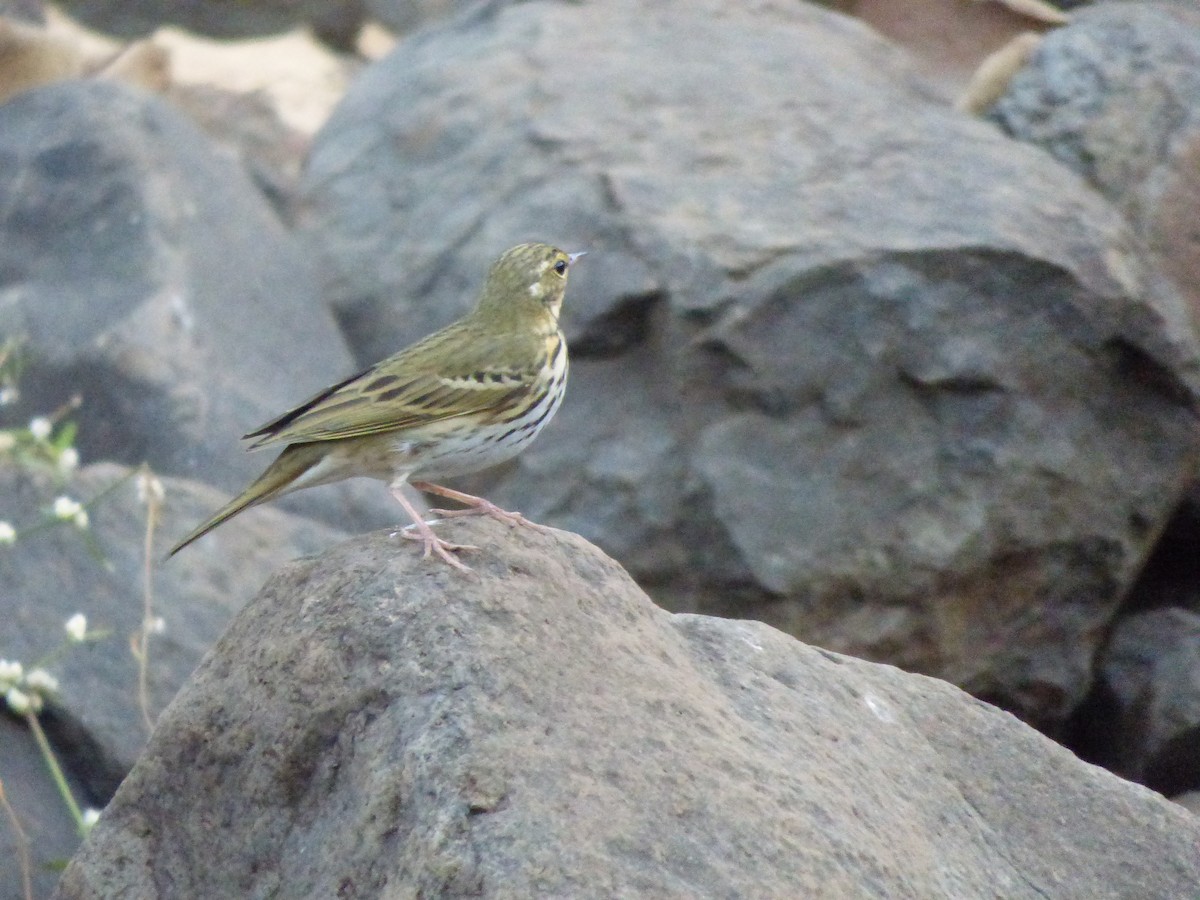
278	479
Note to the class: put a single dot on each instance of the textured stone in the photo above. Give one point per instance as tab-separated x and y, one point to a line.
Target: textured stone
337	21
377	725
149	277
1150	675
844	360
54	573
96	724
1116	96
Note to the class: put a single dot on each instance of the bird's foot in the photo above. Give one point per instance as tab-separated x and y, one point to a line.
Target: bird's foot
475	506
435	544
425	534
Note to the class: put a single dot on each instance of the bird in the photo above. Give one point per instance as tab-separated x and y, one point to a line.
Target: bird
465	398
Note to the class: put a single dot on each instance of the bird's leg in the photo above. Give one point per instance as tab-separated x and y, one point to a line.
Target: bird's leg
476	506
433	543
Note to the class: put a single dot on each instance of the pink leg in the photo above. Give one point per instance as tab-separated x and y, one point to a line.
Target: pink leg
432	542
476	506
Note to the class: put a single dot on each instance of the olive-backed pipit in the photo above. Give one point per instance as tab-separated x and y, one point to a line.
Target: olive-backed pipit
465	398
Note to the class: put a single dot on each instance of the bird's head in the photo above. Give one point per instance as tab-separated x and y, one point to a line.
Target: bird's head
526	285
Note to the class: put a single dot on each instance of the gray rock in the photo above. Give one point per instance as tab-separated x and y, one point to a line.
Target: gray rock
377	725
1189	801
25	10
337	22
404	16
1116	96
54	573
96	724
151	278
1151	673
844	360
43	814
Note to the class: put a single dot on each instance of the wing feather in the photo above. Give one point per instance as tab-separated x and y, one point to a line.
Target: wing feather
410	389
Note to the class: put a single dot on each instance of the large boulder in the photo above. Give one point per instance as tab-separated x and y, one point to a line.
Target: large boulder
149	277
845	360
375	724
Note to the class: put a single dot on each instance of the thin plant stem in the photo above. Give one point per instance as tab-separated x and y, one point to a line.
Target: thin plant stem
56	772
153	503
23	844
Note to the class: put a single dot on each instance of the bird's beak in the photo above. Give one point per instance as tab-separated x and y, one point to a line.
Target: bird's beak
571	257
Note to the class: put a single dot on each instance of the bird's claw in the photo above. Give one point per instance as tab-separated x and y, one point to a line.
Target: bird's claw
435	544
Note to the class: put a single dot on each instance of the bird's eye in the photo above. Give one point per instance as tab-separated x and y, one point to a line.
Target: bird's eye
561	267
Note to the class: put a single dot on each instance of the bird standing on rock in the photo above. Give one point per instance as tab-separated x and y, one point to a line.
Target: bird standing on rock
463	399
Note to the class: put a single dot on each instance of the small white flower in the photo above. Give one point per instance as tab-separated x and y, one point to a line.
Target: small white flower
66	508
156	625
81	519
8	440
41	682
68	460
10	672
8	394
76	627
40	427
149	487
20	702
90	817
8	534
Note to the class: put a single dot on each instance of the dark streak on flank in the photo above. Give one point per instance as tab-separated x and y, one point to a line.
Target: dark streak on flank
540	419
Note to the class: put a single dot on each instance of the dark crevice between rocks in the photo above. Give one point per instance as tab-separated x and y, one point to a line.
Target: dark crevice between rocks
83	756
1171	573
1175	769
1137	365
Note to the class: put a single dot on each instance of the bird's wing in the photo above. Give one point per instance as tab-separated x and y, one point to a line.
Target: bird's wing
409	389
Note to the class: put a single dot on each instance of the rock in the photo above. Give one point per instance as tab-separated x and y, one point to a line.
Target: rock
1116	96
26	10
41	810
1150	674
377	724
404	16
248	127
336	21
97	725
948	38
292	74
29	57
53	574
843	359
260	100
1189	801
151	278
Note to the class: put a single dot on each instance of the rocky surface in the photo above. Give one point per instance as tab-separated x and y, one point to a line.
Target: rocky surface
1147	700
60	571
337	22
51	833
145	273
374	724
846	360
900	382
1117	98
96	724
